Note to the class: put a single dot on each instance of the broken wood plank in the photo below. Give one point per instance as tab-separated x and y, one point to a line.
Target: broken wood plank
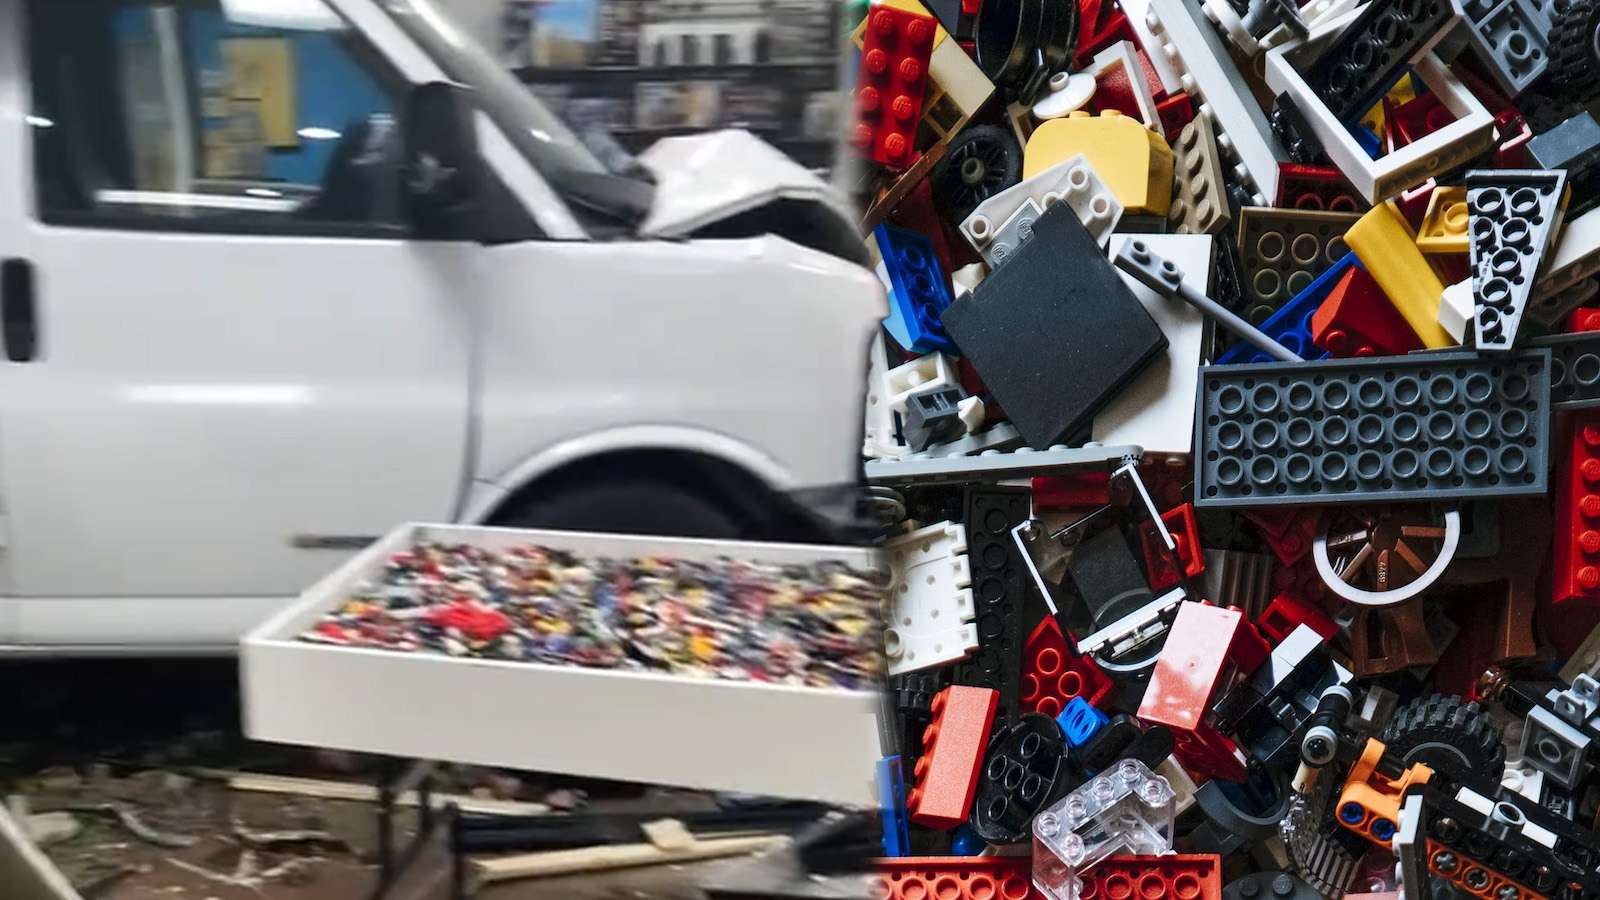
365	793
619	856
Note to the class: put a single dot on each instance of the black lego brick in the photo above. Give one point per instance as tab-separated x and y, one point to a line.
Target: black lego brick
1423	427
1574	369
1353	74
999	591
1054	333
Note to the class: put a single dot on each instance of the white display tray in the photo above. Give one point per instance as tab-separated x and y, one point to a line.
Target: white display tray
804	743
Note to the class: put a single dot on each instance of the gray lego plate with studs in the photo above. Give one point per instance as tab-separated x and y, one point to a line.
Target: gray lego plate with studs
1574	369
1429	426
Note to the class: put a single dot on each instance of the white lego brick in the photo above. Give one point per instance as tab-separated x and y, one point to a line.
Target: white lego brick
1156	411
1378	179
1200	56
1122	55
878	441
930	609
1317	13
1072	180
1222	14
925	373
1455	309
1137	12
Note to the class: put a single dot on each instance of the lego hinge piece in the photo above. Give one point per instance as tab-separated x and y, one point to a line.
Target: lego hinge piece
930	604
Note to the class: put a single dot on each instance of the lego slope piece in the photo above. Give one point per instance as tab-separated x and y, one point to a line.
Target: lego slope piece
930	599
1135	162
1357	319
891	83
1371	49
1058	292
1388	251
946	777
1576	573
1515	216
1199	194
1388	429
1444	226
1073	181
953	878
1470	134
1128	809
1155	410
918	291
1193	49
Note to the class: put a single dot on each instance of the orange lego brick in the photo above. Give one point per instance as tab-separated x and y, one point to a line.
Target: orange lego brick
946	777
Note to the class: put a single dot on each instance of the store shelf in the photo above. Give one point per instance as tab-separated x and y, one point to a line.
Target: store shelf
805	743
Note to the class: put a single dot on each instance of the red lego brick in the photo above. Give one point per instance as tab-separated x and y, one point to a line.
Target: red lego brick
1197	661
956	878
1175	111
1185	531
1287	612
1576	576
1289	531
1415	119
1114	91
1357	319
1054	492
1315	188
891	84
1179	876
1052	675
946	777
1100	24
1584	318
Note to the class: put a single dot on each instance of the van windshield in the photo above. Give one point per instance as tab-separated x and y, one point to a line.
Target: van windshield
564	160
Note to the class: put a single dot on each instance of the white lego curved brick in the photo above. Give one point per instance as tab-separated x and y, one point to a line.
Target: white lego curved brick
1200	56
1068	92
928	619
1455	309
925	373
1072	180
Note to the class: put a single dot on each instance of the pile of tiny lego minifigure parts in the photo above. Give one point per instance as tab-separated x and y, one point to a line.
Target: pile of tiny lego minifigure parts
1235	429
810	625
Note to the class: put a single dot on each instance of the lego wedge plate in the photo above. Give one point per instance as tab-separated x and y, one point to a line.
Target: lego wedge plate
1428	426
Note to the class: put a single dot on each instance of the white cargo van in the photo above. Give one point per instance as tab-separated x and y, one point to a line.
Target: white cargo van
277	275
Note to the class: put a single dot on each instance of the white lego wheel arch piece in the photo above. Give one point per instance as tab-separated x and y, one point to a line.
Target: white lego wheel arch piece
929	610
1346	591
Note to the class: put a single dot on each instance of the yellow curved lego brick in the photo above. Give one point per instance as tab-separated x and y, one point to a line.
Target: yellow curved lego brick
1133	161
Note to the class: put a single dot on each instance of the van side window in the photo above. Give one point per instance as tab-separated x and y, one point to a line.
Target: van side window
232	116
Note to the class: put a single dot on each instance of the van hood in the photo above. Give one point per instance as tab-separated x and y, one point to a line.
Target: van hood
732	184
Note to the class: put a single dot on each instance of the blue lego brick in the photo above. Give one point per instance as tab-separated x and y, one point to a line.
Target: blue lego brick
892	807
1424	427
966	842
1368	139
919	293
1291	325
1080	720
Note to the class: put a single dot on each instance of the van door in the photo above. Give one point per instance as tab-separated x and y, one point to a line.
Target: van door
230	363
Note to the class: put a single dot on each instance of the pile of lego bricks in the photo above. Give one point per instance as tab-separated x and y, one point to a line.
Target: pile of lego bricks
806	625
1235	427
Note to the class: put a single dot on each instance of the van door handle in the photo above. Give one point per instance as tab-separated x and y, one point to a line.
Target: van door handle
18	316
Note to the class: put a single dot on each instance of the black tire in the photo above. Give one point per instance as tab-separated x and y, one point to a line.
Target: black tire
1443	731
623	504
1574	69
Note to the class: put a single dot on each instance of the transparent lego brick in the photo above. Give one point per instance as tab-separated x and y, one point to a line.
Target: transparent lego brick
1127	809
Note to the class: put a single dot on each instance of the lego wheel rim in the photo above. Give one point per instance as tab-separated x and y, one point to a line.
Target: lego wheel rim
1425	579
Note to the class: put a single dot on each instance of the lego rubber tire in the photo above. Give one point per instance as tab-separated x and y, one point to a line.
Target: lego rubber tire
1574	50
624	506
1437	728
1452	537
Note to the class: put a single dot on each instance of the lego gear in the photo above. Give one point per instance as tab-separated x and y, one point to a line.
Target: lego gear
1574	64
1442	729
982	162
